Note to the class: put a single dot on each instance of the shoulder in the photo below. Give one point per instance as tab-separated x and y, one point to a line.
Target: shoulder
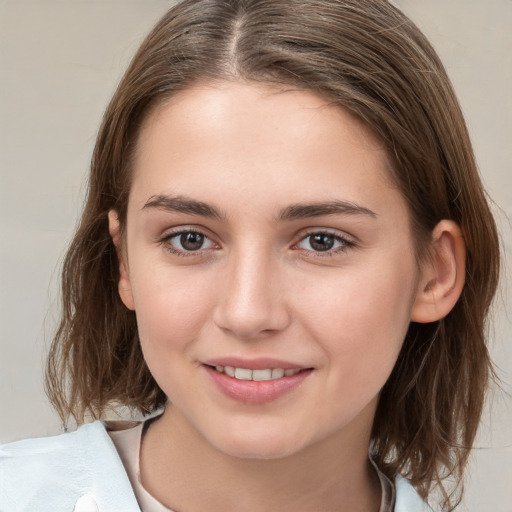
54	473
407	499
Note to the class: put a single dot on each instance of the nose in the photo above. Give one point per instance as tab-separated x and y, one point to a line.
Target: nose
251	300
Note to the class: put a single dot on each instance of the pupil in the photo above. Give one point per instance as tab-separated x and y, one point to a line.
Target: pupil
191	241
322	242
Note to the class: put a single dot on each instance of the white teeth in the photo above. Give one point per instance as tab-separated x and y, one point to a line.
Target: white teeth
257	375
261	374
229	370
243	374
277	373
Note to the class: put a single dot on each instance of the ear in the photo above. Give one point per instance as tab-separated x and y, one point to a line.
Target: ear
124	285
443	276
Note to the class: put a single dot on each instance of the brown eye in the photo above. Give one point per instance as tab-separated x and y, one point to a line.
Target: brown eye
321	242
324	242
184	242
191	241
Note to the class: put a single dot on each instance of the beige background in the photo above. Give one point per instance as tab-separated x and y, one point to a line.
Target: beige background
59	64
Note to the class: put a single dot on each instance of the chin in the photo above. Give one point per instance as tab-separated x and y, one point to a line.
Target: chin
255	450
263	443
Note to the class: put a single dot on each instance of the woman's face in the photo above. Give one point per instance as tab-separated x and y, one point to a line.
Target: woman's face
270	262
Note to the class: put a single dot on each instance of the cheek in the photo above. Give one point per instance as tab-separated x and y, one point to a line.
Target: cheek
171	308
171	315
360	319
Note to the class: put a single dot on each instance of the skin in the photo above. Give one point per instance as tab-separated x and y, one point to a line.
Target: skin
258	288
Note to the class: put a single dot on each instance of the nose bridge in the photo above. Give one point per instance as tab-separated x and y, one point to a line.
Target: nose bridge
251	299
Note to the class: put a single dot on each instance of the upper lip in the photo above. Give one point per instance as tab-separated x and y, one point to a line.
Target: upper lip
260	363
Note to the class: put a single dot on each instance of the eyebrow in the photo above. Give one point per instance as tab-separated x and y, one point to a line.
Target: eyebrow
183	204
335	207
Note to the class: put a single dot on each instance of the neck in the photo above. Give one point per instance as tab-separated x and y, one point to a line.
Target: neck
184	472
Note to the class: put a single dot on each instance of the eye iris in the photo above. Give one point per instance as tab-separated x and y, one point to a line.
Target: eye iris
321	242
191	241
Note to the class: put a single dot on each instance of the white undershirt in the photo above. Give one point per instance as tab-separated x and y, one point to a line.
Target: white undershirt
128	441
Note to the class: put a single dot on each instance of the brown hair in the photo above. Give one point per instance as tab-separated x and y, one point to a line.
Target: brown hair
364	55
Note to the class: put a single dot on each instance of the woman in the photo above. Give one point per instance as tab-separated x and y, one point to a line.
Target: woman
288	248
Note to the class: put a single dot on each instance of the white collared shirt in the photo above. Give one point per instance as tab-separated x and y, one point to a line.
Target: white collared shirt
82	471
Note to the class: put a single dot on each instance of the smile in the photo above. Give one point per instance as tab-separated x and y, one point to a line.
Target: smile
257	375
263	382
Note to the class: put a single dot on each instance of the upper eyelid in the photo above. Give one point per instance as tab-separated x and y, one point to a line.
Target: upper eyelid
298	237
172	232
165	240
348	242
329	231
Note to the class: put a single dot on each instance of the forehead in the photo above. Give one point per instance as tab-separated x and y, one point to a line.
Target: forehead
282	144
251	106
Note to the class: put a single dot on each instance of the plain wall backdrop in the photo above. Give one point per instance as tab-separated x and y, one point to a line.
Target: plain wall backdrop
59	64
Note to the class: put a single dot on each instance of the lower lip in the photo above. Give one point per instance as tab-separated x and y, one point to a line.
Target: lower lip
256	392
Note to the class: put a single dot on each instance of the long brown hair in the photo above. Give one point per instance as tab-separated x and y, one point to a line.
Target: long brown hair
363	55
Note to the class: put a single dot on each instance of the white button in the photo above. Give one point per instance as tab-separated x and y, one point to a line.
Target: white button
86	504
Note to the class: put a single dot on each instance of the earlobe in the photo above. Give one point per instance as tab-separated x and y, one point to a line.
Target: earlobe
124	284
443	275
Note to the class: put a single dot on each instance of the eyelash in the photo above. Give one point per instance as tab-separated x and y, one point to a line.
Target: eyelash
166	242
344	242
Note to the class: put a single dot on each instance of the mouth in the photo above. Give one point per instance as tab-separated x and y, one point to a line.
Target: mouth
257	375
256	386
